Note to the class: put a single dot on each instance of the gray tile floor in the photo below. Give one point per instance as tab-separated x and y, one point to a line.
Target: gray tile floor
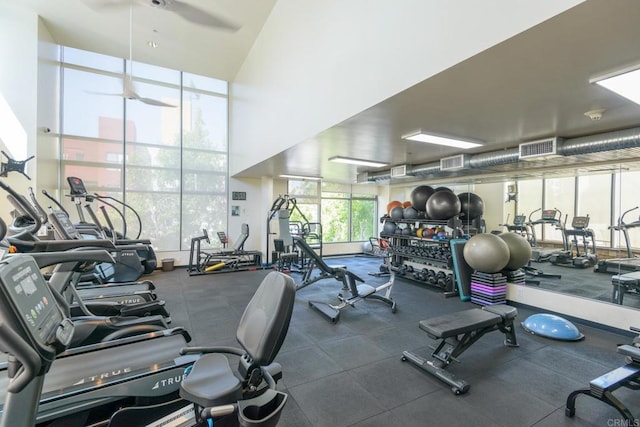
350	373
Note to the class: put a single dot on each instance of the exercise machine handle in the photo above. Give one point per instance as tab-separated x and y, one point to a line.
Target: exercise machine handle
28	358
621	219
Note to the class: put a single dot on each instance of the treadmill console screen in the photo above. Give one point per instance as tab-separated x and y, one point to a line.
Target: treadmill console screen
30	297
549	214
64	226
580	222
77	186
519	219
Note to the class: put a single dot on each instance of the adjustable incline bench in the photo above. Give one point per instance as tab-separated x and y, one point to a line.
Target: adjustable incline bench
458	331
602	388
349	284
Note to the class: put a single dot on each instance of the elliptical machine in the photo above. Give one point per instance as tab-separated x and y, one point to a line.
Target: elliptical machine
579	236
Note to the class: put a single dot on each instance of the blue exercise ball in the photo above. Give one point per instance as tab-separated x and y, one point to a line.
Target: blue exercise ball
552	326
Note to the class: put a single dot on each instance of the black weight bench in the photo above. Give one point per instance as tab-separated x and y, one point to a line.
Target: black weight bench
458	331
602	388
623	283
352	292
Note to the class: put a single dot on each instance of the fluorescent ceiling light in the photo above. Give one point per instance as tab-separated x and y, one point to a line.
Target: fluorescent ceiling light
624	82
308	178
441	140
359	162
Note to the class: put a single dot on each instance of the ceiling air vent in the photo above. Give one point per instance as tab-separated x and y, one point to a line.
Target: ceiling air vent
453	162
362	178
539	150
400	171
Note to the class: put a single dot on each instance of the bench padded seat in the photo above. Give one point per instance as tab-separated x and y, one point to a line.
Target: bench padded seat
632	278
461	322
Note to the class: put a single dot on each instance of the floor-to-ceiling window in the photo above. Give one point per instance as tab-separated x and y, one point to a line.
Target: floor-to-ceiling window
168	161
594	199
344	216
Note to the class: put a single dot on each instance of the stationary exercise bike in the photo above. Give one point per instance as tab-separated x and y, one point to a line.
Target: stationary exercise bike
34	331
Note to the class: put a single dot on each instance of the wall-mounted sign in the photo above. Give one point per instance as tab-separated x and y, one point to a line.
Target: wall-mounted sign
238	195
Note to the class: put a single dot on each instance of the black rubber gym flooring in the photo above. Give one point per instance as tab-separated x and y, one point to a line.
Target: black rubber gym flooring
582	282
350	373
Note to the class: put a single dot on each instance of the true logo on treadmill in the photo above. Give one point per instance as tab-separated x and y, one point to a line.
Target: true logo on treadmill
168	382
99	378
130	301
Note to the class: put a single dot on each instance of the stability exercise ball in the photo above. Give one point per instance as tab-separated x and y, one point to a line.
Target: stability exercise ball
389	228
443	189
443	205
419	197
486	252
397	212
410	213
471	206
392	205
519	250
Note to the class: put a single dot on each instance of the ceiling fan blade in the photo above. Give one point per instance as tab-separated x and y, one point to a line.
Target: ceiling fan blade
154	102
129	89
105	93
200	16
130	93
108	4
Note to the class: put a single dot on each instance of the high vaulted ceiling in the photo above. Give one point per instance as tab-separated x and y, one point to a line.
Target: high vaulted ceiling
182	45
531	86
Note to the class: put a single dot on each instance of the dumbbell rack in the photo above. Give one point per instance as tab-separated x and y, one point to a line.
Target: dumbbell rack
422	259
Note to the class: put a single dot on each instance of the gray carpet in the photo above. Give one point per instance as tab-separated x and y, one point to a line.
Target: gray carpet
350	373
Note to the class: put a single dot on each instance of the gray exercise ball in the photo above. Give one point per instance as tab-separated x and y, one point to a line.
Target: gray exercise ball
472	206
397	213
443	205
389	227
519	250
410	213
419	197
487	253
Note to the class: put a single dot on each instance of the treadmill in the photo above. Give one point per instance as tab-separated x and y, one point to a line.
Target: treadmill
522	227
621	265
88	378
552	217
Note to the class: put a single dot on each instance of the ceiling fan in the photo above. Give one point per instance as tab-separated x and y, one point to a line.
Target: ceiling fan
128	88
183	9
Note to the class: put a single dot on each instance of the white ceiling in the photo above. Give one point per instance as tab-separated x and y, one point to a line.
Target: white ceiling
182	45
531	86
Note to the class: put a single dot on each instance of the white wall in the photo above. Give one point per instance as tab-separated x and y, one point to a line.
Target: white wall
611	315
19	83
493	197
47	150
316	64
250	213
